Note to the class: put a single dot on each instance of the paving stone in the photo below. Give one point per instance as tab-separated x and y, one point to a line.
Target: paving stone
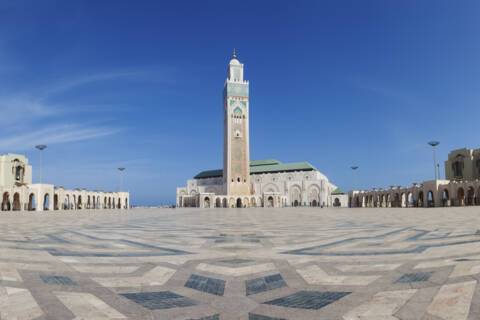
59	280
206	284
160	300
308	299
263	284
252	316
414	277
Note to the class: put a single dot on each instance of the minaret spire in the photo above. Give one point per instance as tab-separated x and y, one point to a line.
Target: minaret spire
234	55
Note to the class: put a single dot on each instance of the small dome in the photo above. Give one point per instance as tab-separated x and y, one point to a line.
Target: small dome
235	61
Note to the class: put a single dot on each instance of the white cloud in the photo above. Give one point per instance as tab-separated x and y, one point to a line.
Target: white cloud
54	135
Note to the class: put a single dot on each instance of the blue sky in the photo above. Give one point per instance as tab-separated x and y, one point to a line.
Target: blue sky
138	84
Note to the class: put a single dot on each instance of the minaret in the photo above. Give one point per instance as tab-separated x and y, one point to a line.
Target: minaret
236	153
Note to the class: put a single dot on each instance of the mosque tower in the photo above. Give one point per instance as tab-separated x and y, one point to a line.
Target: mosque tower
236	153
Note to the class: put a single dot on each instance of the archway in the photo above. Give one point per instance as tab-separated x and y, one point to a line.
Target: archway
55	201
224	202
314	203
119	203
420	199
207	202
410	200
445	198
88	202
270	202
295	195
253	202
430	199
218	203
94	203
6	202
396	201
460	197
32	203
66	203
46	202
17	206
336	202
126	203
105	203
470	196
79	202
109	203
239	203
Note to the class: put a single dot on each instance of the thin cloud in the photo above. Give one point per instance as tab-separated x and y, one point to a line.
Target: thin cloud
55	135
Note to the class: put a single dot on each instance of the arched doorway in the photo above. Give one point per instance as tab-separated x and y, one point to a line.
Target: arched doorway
119	203
207	202
79	202
336	202
270	202
470	196
253	202
17	206
224	202
314	203
218	203
420	199
55	202
88	202
126	203
460	197
32	203
6	202
430	199
445	198
239	203
46	202
295	203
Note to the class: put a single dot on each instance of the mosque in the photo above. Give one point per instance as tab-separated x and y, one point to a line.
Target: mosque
260	183
20	194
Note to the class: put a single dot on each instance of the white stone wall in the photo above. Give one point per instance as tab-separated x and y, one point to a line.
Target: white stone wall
300	188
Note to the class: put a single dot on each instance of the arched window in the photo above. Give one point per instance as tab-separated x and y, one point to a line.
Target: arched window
457	167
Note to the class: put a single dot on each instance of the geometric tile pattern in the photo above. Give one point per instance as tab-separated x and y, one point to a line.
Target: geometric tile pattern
59	280
414	277
141	264
159	300
206	284
308	299
263	284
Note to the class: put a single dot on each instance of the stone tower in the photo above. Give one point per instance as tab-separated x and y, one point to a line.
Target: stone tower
236	153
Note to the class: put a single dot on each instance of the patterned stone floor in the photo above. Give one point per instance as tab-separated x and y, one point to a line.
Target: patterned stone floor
256	264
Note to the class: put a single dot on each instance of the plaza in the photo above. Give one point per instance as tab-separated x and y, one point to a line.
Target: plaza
254	263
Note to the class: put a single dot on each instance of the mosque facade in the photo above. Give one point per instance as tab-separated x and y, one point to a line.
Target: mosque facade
260	183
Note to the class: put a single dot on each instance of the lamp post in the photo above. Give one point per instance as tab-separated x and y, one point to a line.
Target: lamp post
434	144
121	169
41	147
354	169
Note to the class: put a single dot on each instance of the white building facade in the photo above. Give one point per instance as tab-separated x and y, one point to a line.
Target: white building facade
20	194
244	183
460	188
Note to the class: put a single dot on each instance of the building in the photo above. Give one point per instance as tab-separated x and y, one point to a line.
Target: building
20	194
245	183
460	188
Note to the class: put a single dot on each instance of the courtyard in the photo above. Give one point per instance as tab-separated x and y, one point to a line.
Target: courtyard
258	264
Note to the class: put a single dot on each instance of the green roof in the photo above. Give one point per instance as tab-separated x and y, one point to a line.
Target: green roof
262	166
338	191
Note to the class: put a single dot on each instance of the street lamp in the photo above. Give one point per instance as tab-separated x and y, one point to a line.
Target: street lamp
41	147
434	144
121	169
354	168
